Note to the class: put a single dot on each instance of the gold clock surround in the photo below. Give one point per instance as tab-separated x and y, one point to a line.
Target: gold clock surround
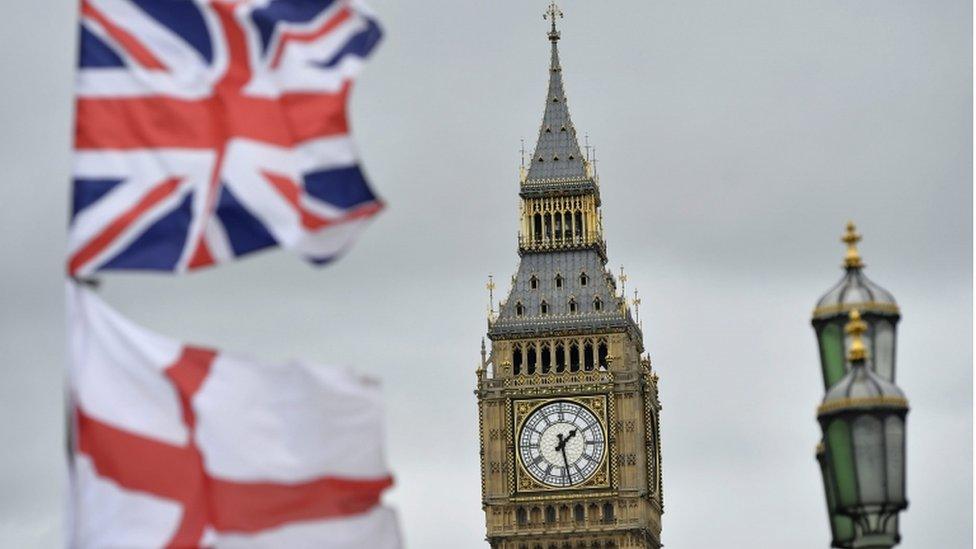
525	483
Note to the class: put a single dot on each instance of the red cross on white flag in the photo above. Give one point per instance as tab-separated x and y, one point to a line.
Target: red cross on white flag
181	446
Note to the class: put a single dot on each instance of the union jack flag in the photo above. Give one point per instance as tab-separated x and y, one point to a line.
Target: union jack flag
210	129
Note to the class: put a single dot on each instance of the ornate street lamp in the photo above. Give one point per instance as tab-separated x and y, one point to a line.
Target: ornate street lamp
863	421
877	307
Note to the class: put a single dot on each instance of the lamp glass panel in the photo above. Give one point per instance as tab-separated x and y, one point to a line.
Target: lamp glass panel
832	353
841	456
869	457
884	349
895	450
841	526
892	526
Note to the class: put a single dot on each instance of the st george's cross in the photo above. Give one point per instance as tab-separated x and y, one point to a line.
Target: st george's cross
178	445
210	129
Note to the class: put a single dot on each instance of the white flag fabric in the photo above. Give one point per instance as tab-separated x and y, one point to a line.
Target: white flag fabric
175	445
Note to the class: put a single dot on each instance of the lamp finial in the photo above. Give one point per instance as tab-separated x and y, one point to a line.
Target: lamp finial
856	328
852	260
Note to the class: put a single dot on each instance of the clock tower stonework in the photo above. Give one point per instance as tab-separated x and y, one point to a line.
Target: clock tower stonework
568	404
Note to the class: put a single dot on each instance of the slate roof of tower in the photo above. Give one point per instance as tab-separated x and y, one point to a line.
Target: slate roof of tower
557	151
601	285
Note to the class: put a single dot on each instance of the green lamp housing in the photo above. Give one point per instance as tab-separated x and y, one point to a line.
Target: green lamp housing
863	422
841	526
855	291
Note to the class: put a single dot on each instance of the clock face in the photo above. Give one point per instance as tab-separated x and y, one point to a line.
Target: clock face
562	444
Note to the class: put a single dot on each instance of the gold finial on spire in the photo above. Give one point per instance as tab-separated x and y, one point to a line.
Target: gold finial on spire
491	297
637	303
856	328
623	282
852	260
551	14
484	357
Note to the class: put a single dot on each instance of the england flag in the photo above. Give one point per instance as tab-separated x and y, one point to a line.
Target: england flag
210	129
176	445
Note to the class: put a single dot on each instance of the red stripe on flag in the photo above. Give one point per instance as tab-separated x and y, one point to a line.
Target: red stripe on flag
292	193
251	507
150	122
201	256
308	36
136	462
309	116
144	122
188	374
139	53
98	244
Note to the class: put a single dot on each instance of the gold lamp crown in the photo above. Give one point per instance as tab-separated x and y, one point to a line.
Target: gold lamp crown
852	260
856	328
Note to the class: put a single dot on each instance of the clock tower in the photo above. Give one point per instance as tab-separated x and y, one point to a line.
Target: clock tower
568	405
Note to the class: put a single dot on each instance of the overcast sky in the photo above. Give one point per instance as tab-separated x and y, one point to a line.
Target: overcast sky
735	140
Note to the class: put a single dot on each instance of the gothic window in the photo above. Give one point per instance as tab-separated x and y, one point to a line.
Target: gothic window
602	356
560	358
579	225
567	226
559	281
535	515
588	356
574	358
521	517
544	307
607	512
531	360
564	513
597	304
548	223
550	513
517	359
584	279
593	512
537	224
558	224
578	514
572	305
519	309
546	358
533	282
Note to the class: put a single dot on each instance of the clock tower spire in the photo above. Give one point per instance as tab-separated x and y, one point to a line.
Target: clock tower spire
568	404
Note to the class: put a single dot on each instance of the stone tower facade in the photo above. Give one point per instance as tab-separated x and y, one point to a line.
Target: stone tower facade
567	401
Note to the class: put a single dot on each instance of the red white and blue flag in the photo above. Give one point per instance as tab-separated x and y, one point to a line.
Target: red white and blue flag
178	445
210	129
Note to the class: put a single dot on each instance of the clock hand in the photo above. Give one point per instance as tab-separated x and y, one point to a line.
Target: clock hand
569	478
